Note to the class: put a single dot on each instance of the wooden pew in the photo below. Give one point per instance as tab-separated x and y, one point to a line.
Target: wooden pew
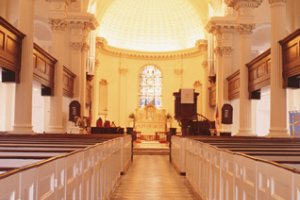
240	167
61	166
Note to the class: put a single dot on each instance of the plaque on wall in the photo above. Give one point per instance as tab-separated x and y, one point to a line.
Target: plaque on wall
74	110
227	112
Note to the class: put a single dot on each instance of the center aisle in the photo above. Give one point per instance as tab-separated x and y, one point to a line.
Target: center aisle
152	177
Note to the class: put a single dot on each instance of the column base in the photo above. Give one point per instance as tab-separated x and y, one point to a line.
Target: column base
55	129
245	132
22	129
278	132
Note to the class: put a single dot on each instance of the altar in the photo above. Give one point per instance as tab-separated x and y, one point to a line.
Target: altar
150	120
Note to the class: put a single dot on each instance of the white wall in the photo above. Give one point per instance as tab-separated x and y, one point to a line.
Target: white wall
236	116
7	103
109	70
262	113
38	109
67	124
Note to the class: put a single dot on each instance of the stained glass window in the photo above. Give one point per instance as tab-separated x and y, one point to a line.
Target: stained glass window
150	86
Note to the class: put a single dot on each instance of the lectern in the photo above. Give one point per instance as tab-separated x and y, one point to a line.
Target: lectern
185	112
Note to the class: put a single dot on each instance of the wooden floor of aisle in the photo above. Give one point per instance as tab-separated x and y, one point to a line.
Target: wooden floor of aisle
152	177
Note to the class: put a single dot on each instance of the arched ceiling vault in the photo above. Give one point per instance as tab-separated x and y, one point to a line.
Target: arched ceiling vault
173	25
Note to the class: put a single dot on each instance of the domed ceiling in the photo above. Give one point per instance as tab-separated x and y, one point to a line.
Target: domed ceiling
151	25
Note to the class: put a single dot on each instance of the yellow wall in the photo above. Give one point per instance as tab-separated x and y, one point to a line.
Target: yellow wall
119	107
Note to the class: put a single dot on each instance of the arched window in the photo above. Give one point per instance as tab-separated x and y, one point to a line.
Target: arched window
150	86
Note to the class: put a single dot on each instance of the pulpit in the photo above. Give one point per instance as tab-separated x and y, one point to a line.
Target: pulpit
186	114
185	108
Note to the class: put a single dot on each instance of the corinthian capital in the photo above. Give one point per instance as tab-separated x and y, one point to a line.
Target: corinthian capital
85	21
82	46
223	51
246	28
237	4
277	1
218	25
57	24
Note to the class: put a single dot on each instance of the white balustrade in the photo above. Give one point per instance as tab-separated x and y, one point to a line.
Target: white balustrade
218	174
87	174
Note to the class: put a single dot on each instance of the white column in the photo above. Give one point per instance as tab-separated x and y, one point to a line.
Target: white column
3	8
210	55
58	23
245	103
198	89
103	97
205	92
123	115
245	20
83	85
223	64
293	15
222	28
278	122
80	25
23	100
56	102
95	94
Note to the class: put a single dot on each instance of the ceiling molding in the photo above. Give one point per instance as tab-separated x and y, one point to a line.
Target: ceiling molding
199	49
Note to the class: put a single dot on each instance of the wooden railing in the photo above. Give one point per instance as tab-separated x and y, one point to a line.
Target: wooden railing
234	85
291	60
259	72
44	66
10	51
68	82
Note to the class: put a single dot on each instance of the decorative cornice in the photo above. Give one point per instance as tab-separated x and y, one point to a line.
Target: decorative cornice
277	1
200	47
246	28
218	25
237	4
57	24
223	51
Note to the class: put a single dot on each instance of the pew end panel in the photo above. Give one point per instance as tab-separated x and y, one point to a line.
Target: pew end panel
10	187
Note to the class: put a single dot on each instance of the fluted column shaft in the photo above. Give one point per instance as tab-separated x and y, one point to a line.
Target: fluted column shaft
123	115
245	25
245	103
80	25
23	99
223	29
278	123
95	95
57	20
